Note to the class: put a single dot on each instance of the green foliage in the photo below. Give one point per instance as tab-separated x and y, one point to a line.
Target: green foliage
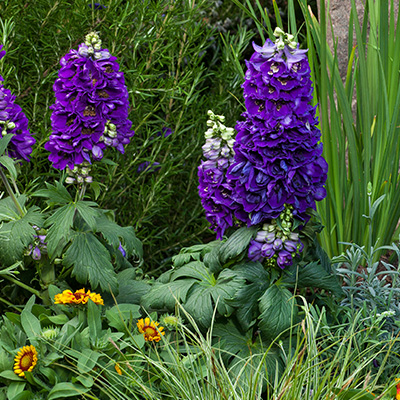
175	65
360	146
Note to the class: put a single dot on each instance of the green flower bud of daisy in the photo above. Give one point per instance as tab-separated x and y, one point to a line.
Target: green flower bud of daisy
170	321
50	333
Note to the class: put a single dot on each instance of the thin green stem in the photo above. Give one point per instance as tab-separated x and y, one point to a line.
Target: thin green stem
9	303
26	287
11	193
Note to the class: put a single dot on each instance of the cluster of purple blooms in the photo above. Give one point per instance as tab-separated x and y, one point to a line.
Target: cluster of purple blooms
278	161
214	188
91	108
39	245
14	121
275	242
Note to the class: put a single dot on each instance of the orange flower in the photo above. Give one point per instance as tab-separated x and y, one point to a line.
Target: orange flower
25	360
150	329
78	297
118	369
398	389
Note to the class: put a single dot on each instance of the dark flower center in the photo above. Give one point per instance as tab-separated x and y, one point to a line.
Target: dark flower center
87	131
103	94
70	120
109	69
90	111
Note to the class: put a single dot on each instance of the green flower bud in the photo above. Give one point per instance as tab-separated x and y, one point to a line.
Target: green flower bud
10	125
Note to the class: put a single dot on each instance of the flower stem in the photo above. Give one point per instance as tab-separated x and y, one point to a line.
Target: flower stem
9	303
26	287
10	192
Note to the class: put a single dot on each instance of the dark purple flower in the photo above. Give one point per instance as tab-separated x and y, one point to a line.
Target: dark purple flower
97	6
91	108
147	166
284	259
14	121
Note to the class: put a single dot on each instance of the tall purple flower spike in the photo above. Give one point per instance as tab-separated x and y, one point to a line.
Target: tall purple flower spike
277	171
91	108
278	157
14	121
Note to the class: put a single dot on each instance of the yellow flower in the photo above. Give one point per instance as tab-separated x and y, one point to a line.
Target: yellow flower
25	360
96	298
118	369
78	297
150	329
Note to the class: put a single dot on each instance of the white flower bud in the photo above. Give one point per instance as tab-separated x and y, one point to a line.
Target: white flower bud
79	179
69	180
11	125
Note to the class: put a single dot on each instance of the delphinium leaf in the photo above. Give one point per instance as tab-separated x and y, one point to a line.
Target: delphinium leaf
91	262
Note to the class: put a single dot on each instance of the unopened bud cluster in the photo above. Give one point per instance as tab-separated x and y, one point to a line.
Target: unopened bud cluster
39	245
110	135
79	174
93	43
284	39
275	242
219	139
4	125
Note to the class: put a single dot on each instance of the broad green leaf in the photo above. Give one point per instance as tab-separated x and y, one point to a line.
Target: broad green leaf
91	262
236	243
114	234
10	375
203	297
59	233
17	234
124	311
130	290
246	298
6	362
86	380
66	389
8	163
57	193
4	141
278	311
59	319
88	212
87	360
249	352
14	389
25	395
94	320
195	269
165	295
29	322
314	275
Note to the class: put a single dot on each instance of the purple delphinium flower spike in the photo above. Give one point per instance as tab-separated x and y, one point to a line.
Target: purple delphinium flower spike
91	108
214	188
278	165
14	121
278	157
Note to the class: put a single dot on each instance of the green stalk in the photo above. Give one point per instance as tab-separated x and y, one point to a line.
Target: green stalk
26	287
10	192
